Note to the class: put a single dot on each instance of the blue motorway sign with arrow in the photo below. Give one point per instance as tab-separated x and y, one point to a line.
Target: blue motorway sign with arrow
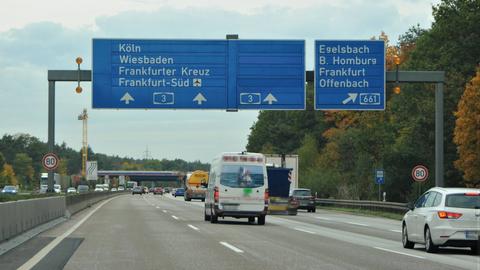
379	176
350	75
198	74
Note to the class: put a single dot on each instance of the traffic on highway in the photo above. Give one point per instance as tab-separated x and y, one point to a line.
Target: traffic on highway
253	134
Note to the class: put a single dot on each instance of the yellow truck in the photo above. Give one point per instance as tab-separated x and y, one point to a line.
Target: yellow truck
196	185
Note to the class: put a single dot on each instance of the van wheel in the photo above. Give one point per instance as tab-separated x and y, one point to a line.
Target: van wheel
314	210
213	217
251	219
475	250
206	217
430	247
203	199
261	220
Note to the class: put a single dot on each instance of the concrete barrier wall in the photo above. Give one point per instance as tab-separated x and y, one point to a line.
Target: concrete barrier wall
19	216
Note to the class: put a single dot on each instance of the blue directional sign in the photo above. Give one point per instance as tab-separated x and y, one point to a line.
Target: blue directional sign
349	75
198	74
379	176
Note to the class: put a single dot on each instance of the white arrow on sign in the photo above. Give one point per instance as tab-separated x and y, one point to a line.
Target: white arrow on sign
199	98
270	99
127	98
351	97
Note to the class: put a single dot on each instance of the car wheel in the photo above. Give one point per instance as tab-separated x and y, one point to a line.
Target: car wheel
206	217
213	217
203	200
314	210
251	219
406	243
475	249
430	247
261	220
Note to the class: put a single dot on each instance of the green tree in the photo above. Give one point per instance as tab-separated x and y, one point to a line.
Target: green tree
22	165
2	160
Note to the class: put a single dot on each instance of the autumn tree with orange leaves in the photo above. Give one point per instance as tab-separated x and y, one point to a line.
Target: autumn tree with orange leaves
467	133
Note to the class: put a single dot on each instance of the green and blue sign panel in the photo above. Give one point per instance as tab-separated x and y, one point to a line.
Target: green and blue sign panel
198	74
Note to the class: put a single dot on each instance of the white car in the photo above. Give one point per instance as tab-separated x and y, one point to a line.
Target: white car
71	190
444	217
113	189
98	189
121	188
57	188
238	187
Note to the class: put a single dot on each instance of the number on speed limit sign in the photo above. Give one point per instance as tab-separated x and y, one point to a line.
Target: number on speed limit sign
50	161
420	173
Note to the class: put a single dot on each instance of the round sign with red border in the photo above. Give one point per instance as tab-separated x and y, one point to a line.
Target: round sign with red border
420	173
50	161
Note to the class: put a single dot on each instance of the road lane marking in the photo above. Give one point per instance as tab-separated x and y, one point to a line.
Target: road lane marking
358	224
175	217
158	207
303	230
323	218
399	231
193	227
231	247
44	251
398	252
164	211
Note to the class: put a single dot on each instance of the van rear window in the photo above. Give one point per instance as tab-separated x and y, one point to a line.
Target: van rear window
242	176
462	200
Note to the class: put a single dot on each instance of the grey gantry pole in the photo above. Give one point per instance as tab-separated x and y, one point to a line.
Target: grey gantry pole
51	129
439	136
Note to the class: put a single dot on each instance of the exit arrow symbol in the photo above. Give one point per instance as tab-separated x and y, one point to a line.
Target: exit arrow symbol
127	98
199	98
270	99
351	97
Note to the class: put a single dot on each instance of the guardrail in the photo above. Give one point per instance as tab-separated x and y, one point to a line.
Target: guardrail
398	208
20	216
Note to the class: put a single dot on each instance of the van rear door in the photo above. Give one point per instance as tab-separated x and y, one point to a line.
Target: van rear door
242	187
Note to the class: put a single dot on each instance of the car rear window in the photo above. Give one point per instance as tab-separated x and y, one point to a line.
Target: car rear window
242	176
302	193
463	200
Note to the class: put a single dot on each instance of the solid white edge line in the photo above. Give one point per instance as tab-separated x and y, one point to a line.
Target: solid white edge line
44	251
303	230
175	217
323	218
231	247
398	252
359	224
193	227
399	231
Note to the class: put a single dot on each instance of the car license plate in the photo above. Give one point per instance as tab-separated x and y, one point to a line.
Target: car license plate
471	235
227	207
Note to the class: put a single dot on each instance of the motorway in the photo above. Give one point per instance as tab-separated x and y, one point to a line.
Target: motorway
162	232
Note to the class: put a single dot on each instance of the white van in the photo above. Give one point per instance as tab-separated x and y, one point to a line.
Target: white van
238	187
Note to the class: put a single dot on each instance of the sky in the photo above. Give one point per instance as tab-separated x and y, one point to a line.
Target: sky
36	36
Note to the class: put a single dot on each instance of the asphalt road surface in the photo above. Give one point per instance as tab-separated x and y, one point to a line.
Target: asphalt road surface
162	232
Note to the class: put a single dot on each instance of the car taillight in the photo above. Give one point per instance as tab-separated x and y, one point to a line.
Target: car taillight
266	196
216	194
448	215
472	194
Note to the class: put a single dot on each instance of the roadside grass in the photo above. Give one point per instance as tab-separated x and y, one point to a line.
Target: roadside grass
363	212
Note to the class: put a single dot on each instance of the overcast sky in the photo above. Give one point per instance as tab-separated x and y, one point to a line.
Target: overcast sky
39	35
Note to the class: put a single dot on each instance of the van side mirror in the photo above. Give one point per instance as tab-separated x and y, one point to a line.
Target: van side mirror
410	205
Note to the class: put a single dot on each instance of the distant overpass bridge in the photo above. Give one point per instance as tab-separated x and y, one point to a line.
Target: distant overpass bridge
149	178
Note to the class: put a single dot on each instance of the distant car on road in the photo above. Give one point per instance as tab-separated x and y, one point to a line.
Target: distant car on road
98	189
443	217
179	192
121	188
71	190
145	190
166	190
57	188
158	190
304	198
137	190
10	190
113	189
43	189
82	188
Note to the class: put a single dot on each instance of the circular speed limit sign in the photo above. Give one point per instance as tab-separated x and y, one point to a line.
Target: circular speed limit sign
420	173
50	161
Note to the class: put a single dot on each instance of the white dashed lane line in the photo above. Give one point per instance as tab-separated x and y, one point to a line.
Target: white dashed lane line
303	230
193	227
237	250
398	252
174	217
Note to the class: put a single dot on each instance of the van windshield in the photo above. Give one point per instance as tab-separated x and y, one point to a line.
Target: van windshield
242	176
